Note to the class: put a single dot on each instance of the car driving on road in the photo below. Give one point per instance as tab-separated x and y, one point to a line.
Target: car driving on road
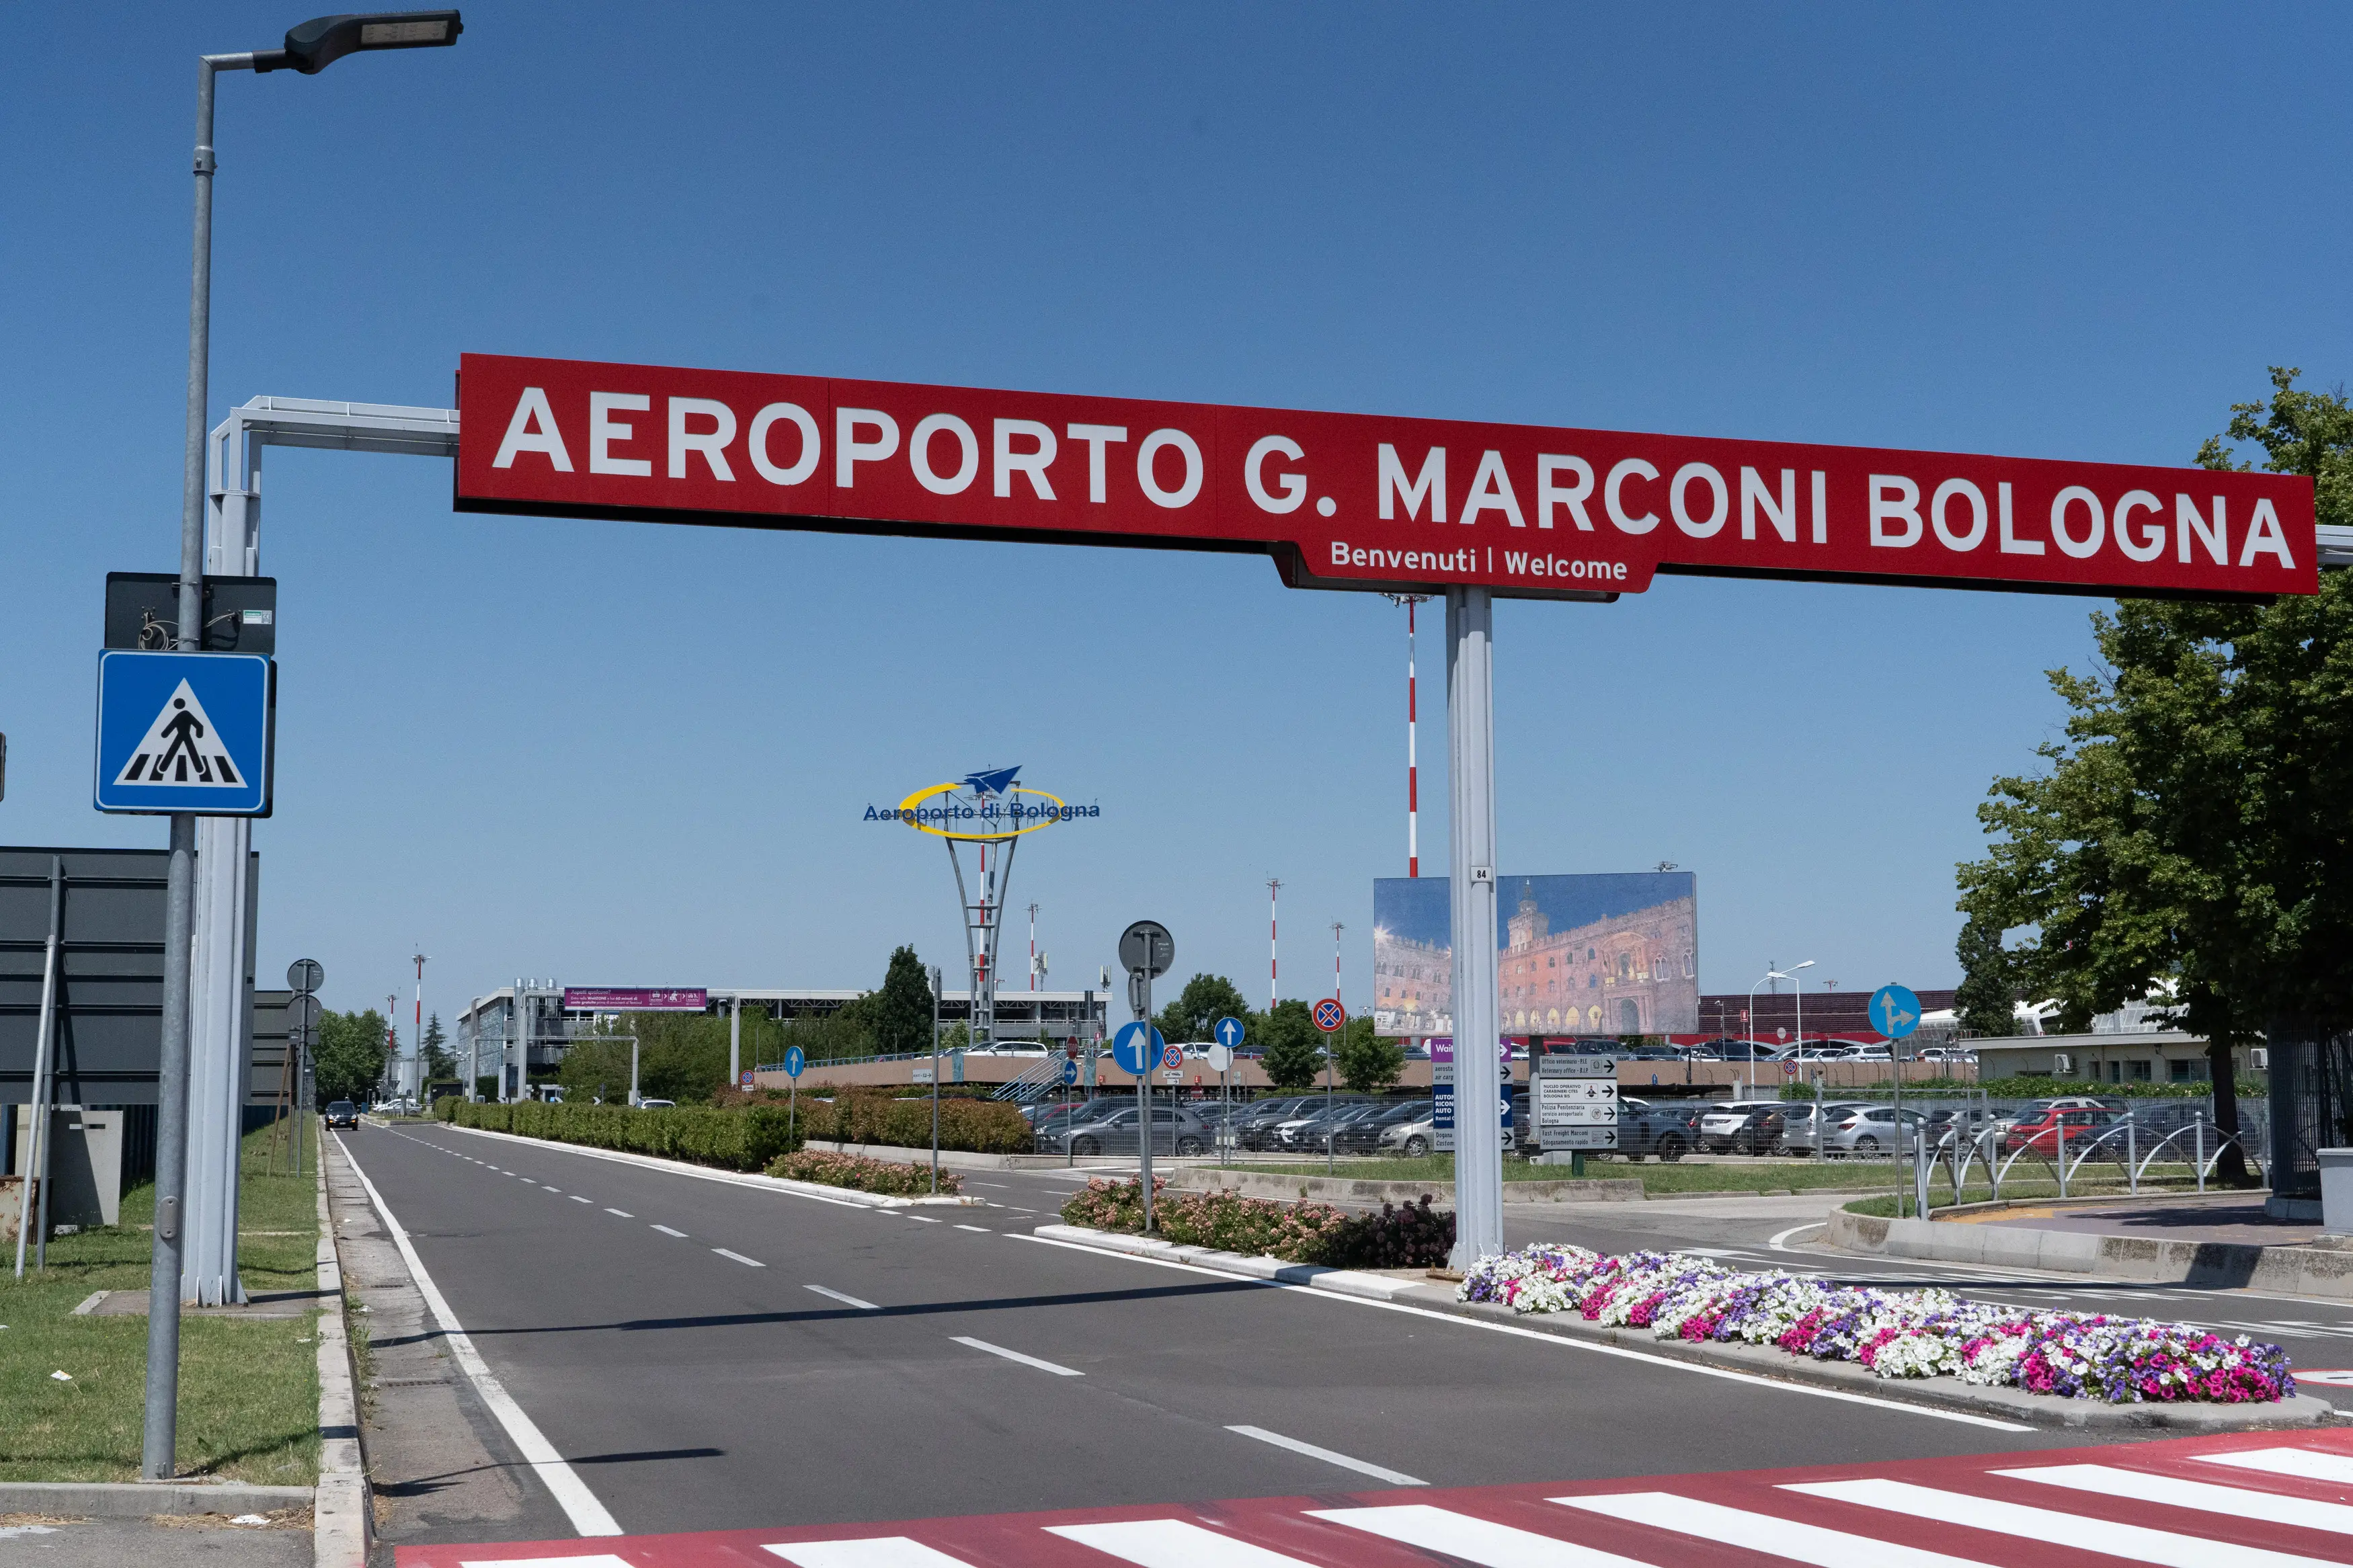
342	1113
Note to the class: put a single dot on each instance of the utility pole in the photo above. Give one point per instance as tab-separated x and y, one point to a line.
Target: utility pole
1412	768
1033	949
417	1038
1274	889
392	1037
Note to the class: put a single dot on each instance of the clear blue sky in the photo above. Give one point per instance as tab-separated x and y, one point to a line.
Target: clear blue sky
623	754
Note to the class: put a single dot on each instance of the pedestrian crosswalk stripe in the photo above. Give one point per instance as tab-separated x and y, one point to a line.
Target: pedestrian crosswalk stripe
876	1552
1764	1532
1479	1540
594	1560
2304	1464
2133	1542
1171	1543
180	748
2111	1480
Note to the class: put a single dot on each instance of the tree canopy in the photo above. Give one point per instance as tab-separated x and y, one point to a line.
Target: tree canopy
349	1059
2190	830
1294	1048
1368	1062
1196	1009
899	1014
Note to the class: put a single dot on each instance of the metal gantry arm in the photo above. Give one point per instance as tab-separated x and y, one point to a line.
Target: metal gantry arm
220	1004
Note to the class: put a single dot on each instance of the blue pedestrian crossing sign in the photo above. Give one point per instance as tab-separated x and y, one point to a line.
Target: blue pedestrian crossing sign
184	732
1129	1051
1229	1032
1895	1011
795	1059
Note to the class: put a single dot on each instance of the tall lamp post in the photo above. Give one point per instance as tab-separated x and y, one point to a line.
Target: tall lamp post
308	48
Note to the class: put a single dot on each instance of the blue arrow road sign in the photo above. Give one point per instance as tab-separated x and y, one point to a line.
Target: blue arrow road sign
1895	1011
1129	1051
1229	1032
184	732
796	1058
1070	1072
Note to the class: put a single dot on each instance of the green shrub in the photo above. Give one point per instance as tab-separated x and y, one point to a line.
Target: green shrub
1414	1236
745	1139
977	1126
865	1176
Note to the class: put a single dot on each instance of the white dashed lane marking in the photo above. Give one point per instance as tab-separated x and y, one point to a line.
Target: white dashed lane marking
666	1231
623	1213
845	1301
739	1257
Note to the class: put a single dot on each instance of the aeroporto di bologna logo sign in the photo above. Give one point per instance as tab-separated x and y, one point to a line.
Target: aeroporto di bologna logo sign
988	804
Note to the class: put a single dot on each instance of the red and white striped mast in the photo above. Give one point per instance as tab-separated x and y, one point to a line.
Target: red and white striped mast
1273	889
1412	764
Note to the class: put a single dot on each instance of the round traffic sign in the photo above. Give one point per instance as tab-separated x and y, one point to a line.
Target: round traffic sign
1146	947
795	1059
302	1011
1070	1072
305	974
1330	1015
1171	1058
1220	1058
1135	1049
1229	1032
1895	1011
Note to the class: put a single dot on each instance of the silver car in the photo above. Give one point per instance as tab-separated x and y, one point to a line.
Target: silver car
1869	1133
1799	1134
1174	1130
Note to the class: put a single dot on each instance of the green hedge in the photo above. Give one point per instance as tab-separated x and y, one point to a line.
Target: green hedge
979	1126
1414	1236
865	1176
745	1139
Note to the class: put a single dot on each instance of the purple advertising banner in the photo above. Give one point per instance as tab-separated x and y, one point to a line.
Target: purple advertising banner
634	999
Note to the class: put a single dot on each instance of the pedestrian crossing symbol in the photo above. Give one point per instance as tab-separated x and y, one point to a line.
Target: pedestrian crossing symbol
184	732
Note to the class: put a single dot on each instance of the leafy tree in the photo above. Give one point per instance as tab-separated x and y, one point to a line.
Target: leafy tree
2190	829
1295	1046
350	1056
1196	1009
1369	1063
438	1061
682	1057
1988	996
899	1014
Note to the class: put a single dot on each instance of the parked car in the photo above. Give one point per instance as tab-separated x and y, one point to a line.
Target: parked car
2041	1132
1363	1135
342	1113
1257	1128
657	1105
1174	1130
1742	1126
1669	1129
1870	1130
1307	1134
1412	1138
1799	1134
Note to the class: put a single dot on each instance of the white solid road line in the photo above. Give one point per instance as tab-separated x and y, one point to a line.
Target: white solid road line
2305	1464
747	1262
1478	1541
1171	1543
1619	1351
2132	1541
588	1515
1779	1242
1017	1355
1362	1467
623	1213
876	1552
845	1301
666	1231
1763	1533
2238	1502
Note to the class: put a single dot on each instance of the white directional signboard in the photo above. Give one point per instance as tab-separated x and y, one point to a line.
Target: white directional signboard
184	732
1575	1102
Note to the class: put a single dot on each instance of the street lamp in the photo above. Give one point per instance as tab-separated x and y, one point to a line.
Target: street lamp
308	48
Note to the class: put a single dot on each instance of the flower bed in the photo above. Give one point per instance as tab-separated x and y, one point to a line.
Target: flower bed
1413	1237
1908	1333
862	1174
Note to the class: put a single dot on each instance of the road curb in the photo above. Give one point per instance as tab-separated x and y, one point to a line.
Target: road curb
714	1173
1946	1394
2313	1271
143	1499
1370	1189
343	1512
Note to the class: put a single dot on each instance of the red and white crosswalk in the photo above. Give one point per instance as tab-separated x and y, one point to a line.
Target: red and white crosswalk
2254	1500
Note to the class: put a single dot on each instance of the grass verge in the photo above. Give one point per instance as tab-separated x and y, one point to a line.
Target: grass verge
1795	1175
249	1390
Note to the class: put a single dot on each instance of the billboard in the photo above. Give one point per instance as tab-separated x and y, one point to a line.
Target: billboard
1352	500
1601	953
634	999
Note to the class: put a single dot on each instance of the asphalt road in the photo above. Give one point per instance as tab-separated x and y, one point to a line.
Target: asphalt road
715	1356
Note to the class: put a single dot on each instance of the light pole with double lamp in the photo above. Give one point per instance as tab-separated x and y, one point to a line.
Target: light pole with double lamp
308	48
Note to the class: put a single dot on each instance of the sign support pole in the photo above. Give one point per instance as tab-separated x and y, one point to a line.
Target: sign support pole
936	1072
1144	1104
1471	790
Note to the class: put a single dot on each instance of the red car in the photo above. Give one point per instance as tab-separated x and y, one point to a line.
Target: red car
2041	1130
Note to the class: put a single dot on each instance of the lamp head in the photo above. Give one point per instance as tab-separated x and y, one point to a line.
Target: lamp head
313	46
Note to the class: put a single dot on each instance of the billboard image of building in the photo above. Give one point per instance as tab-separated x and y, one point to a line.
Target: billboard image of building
1605	953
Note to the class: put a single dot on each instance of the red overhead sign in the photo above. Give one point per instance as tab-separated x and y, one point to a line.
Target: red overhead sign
1353	500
